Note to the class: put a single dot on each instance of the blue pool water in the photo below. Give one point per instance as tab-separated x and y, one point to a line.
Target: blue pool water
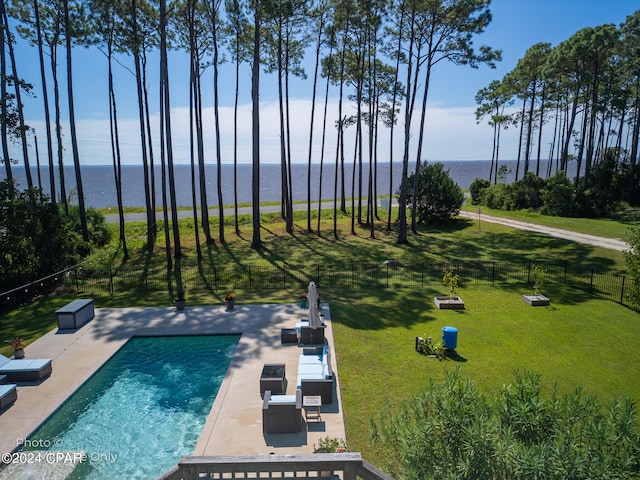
144	409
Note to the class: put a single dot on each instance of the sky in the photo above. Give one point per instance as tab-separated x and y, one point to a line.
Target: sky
451	133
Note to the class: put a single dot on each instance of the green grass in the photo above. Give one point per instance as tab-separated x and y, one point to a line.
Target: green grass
614	227
456	241
577	340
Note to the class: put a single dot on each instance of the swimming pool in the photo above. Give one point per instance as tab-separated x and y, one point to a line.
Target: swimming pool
144	409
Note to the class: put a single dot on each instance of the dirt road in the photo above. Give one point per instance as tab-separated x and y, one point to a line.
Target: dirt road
610	243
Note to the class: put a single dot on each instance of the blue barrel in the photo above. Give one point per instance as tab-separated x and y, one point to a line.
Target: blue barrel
450	337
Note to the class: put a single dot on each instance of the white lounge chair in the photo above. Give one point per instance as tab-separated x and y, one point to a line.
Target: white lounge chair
8	395
25	370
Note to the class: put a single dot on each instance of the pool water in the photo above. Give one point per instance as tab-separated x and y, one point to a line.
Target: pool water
144	409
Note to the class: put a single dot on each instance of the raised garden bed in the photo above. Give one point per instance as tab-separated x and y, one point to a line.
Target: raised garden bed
538	300
449	303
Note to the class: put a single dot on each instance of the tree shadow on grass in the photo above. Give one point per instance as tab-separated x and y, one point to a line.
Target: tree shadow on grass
376	309
558	294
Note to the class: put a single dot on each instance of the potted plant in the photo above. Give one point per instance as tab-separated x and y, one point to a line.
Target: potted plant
537	299
18	345
229	301
330	445
180	301
450	280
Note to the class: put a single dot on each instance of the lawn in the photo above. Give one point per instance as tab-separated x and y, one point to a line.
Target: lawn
616	226
577	340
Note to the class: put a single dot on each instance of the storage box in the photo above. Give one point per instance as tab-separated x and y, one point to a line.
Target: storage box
75	314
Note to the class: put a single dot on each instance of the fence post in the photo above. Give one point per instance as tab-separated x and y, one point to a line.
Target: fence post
284	276
529	272
493	273
591	284
110	281
75	275
622	291
387	275
565	271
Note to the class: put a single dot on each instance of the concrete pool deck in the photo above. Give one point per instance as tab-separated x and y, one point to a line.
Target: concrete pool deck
234	424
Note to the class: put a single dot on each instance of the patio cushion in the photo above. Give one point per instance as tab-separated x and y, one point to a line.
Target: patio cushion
282	399
24	365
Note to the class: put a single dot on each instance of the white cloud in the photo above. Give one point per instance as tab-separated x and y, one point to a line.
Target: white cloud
450	134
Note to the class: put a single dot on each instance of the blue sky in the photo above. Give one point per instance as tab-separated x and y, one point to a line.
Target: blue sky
452	133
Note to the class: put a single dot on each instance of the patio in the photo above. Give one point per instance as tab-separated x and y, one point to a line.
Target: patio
234	425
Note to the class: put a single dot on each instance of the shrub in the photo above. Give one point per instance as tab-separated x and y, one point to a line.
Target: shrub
477	189
439	198
450	430
558	196
527	193
498	196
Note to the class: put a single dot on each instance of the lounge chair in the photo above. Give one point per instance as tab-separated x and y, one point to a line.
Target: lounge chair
25	370
282	413
8	395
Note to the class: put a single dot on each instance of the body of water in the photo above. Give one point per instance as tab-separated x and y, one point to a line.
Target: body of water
100	192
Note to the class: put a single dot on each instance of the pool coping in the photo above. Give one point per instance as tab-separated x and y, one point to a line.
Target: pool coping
234	424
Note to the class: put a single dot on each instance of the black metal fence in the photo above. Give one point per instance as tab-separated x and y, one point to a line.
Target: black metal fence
617	288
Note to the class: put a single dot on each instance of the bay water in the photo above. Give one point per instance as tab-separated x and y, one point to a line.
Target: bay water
100	191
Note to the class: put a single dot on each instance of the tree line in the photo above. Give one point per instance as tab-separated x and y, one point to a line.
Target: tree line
375	56
581	96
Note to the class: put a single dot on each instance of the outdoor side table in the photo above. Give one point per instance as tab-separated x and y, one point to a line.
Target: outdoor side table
273	378
288	335
311	405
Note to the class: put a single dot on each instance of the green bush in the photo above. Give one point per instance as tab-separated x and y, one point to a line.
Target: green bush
34	240
450	430
498	196
527	193
477	188
439	198
558	196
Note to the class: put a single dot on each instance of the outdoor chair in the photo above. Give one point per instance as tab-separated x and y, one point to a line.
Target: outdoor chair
8	395
282	413
25	370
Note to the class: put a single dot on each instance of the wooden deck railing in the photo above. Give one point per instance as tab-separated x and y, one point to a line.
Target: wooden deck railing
318	466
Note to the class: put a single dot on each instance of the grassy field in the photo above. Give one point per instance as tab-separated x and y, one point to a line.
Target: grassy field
614	227
577	340
459	240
